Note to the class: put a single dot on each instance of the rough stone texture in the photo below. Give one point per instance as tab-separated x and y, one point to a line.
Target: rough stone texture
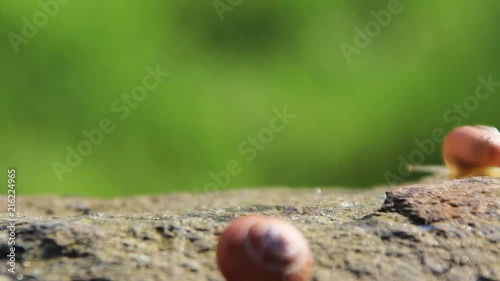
451	201
448	230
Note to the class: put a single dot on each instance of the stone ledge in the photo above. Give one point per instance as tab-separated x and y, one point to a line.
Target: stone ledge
443	231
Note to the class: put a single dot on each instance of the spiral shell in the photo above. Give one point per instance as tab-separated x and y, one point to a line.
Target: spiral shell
265	249
472	151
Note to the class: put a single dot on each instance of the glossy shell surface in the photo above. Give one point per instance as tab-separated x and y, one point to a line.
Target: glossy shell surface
472	151
264	248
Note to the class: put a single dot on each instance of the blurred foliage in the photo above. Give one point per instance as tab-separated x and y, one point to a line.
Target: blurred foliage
226	76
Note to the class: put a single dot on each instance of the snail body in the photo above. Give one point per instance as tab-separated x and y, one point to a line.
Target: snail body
472	151
265	249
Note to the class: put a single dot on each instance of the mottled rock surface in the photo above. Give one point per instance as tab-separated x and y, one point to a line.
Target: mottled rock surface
448	230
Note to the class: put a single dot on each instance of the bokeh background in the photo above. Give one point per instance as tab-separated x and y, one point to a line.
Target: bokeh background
227	73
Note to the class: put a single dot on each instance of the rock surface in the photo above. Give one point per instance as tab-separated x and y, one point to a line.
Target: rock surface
448	230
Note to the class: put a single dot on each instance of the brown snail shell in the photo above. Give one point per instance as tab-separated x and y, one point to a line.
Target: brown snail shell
265	249
472	151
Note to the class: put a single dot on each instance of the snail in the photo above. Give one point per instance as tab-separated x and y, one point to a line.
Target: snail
469	151
472	151
263	248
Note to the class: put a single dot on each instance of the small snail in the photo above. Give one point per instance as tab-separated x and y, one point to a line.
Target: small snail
469	151
472	151
265	249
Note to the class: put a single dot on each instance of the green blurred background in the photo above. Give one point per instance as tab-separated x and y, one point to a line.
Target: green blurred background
353	119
